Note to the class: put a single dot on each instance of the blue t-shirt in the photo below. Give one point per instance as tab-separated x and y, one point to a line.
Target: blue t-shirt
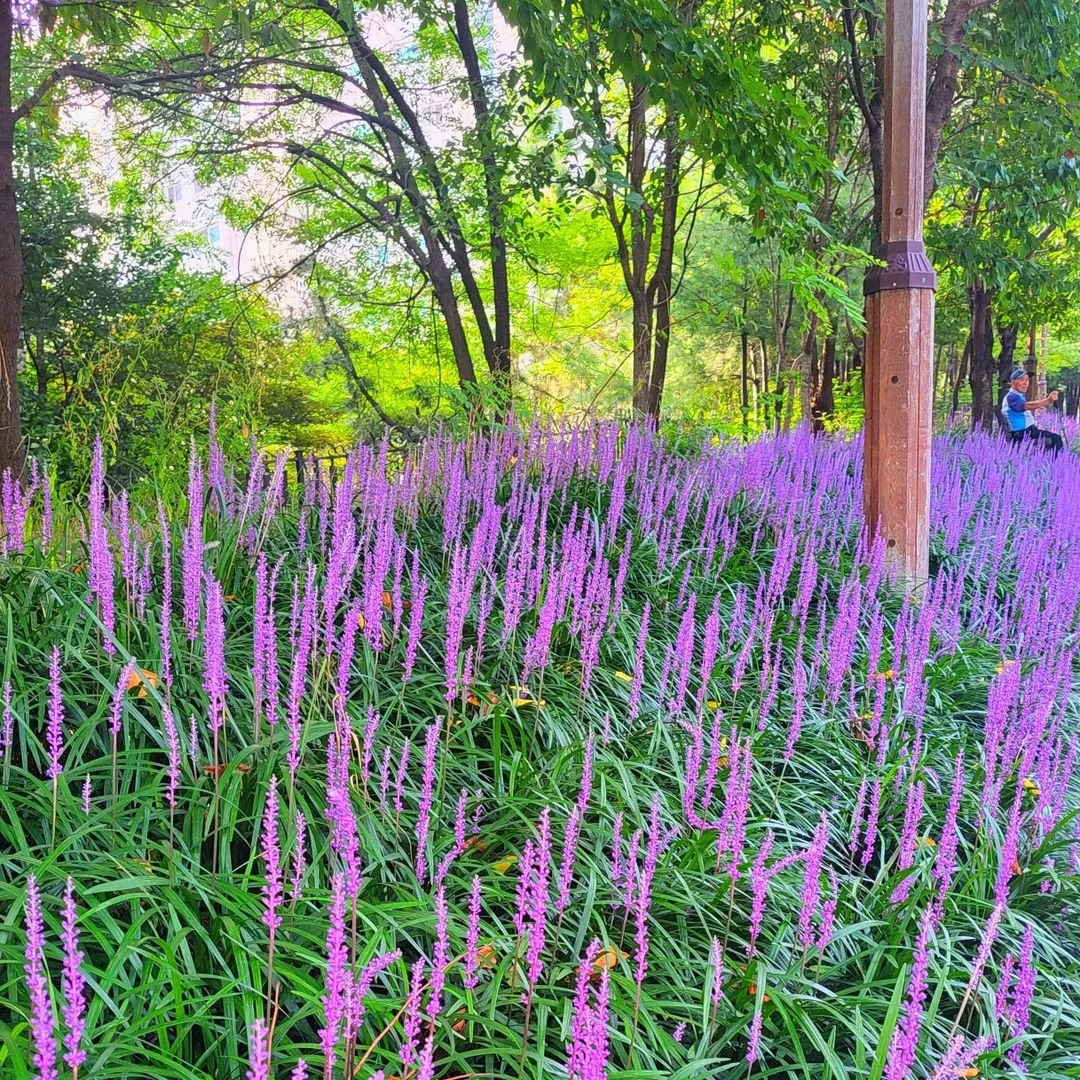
1014	409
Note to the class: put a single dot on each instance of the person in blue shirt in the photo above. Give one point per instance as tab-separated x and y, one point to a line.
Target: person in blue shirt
1019	414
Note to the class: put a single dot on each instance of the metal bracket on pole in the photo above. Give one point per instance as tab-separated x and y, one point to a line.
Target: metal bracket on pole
907	267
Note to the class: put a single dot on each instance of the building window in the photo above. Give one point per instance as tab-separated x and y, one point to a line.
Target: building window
212	235
174	192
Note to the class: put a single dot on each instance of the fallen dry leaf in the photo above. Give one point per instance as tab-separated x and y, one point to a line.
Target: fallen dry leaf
142	678
216	770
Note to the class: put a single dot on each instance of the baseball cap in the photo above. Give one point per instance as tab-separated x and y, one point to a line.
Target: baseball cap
1017	373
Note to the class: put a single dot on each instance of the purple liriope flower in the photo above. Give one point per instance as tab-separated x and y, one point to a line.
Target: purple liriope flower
578	1049
261	630
172	741
42	1021
456	609
87	792
870	833
214	677
340	814
337	973
680	1032
737	804
346	651
371	729
759	884
296	883
361	987
259	1056
716	966
753	1045
100	568
427	794
273	892
7	732
116	713
524	886
905	1038
416	621
54	736
945	859
193	741
630	871
46	510
569	851
440	956
384	776
643	898
166	593
271	674
300	1072
298	675
990	933
712	767
74	982
472	936
616	849
399	777
426	1067
828	914
959	1057
798	712
1010	849
909	838
410	1031
1004	987
811	890
857	816
458	847
1022	995
585	791
538	903
192	553
587	1052
639	663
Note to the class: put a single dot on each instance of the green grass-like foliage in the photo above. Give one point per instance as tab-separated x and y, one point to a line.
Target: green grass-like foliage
170	899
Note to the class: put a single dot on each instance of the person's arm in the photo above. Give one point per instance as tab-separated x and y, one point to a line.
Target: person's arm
1042	403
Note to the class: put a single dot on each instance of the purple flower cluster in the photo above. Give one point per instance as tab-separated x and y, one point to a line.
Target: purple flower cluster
587	1052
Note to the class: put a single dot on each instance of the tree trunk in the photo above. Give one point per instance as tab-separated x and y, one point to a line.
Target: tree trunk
499	362
766	392
436	231
41	368
951	366
961	377
443	287
744	382
807	378
981	357
789	402
661	286
11	267
824	402
1006	352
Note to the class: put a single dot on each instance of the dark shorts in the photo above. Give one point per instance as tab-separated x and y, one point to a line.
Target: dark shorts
1048	440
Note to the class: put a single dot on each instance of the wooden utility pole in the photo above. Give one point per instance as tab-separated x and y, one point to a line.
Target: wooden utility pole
898	371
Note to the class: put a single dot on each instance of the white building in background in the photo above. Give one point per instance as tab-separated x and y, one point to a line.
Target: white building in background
189	208
268	255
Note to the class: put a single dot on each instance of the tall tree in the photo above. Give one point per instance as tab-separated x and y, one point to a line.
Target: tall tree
669	102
